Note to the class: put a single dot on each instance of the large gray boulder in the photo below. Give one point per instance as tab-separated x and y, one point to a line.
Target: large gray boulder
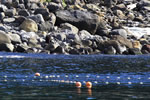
81	19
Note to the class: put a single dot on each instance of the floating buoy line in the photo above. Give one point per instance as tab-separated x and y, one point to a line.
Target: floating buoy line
77	80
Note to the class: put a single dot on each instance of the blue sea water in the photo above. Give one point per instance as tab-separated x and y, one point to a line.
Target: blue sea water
112	76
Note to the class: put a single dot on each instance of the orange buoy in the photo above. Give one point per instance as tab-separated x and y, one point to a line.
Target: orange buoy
37	74
78	84
88	85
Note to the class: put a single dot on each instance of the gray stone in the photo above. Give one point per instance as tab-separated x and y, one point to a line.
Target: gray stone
3	8
81	19
6	47
4	38
23	12
10	12
110	3
52	18
54	7
52	46
34	43
61	37
21	48
37	18
120	32
8	20
15	38
70	27
84	35
2	15
46	26
110	50
134	51
44	12
60	50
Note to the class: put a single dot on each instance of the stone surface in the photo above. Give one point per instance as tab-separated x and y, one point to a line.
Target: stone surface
23	12
80	19
120	32
4	38
37	18
29	26
44	12
6	47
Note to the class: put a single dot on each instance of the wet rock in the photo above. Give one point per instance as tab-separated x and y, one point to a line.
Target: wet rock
134	51
74	51
37	18
80	19
6	47
54	7
70	27
29	25
87	42
44	12
3	8
120	32
23	12
4	38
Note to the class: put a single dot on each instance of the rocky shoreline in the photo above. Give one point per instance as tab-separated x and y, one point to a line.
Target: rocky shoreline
75	26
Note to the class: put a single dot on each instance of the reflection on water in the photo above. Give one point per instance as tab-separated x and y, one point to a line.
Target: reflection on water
121	77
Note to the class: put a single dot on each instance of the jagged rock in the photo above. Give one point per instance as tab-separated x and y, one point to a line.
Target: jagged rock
29	25
21	48
81	19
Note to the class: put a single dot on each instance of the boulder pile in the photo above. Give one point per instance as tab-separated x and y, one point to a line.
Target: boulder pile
75	26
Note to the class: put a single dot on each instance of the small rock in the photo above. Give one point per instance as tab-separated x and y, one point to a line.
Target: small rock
15	39
4	38
6	47
43	11
110	50
120	14
59	50
3	8
29	25
53	7
120	32
23	12
84	35
3	28
146	47
134	51
10	12
52	18
21	48
52	46
137	44
8	20
37	18
46	26
70	27
2	15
